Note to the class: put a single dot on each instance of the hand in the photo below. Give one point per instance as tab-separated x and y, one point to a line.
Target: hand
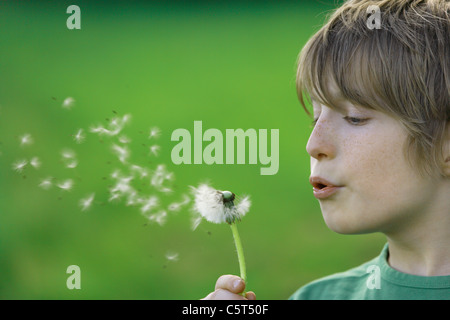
229	287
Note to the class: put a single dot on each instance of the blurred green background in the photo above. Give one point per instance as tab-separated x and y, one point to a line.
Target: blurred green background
166	64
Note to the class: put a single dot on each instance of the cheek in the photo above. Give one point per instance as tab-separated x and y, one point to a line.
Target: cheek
374	163
380	172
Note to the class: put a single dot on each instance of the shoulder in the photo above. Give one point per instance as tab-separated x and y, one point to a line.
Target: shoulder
350	284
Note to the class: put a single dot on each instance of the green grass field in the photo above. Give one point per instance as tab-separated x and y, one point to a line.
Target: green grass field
230	65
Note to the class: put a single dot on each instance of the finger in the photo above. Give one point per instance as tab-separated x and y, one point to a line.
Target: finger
231	283
222	294
250	295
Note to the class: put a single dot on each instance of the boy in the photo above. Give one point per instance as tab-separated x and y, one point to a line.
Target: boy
380	147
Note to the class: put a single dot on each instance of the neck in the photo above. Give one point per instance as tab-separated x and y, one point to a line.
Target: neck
422	247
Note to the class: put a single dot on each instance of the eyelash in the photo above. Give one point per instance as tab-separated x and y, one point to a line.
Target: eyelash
351	120
356	121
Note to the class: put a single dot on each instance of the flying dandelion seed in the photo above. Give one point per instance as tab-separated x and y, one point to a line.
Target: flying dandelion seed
161	175
79	136
160	217
46	183
165	190
154	149
115	174
123	185
114	196
122	153
142	172
115	126
149	204
68	154
100	130
176	206
26	139
133	199
73	163
126	118
68	103
172	256
35	162
66	185
19	165
86	203
124	139
154	133
195	222
68	158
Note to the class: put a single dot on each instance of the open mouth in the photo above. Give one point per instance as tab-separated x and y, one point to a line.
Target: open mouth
322	188
319	186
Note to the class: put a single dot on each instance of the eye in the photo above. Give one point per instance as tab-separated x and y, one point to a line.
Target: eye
355	121
313	123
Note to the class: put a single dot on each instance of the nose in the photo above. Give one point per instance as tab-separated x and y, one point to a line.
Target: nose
321	141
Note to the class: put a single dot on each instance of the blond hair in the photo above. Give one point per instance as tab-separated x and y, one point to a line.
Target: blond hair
402	69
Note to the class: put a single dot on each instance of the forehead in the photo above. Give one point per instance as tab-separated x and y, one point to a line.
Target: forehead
327	93
334	101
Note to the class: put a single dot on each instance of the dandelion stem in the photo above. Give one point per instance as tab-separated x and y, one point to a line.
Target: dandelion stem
240	251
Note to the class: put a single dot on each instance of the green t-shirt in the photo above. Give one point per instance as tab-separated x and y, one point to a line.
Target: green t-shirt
375	280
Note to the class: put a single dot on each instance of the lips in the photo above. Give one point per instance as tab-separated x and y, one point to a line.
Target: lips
323	188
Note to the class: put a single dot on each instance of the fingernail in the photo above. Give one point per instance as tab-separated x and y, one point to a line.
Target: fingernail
236	284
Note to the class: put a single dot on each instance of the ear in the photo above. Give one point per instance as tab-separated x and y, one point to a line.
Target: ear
446	149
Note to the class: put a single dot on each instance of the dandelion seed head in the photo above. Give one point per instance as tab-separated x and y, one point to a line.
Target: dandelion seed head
218	206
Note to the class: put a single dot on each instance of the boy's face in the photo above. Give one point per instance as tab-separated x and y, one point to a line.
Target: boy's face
360	173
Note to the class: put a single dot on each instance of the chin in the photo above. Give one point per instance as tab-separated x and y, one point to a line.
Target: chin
343	224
